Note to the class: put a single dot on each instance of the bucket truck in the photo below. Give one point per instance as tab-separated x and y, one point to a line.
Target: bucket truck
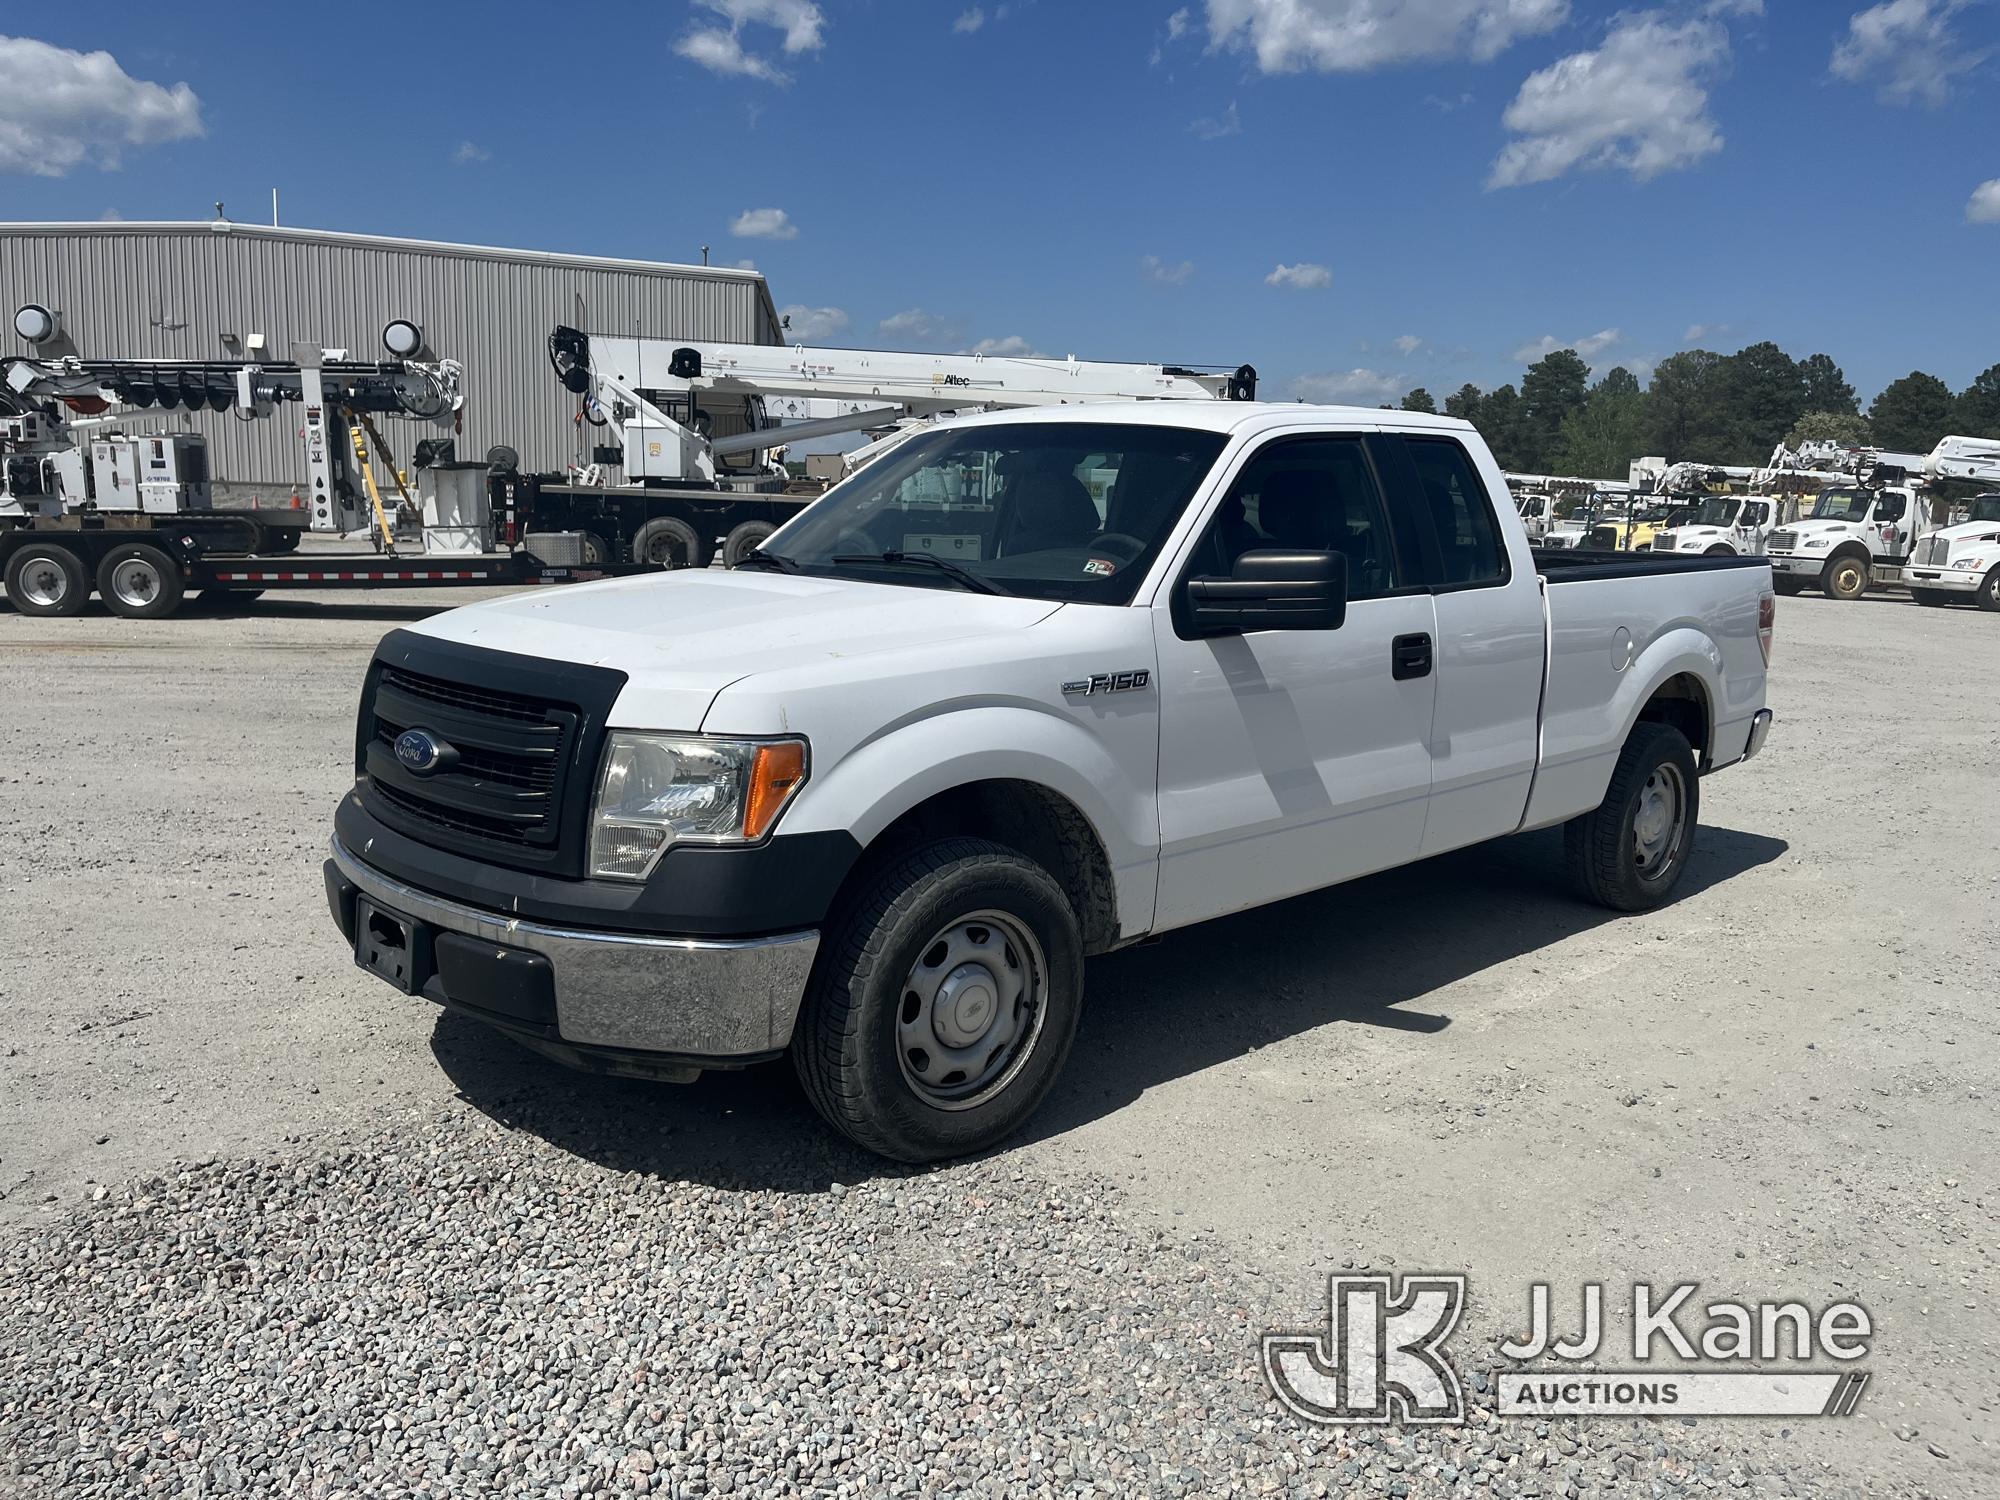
1961	561
695	428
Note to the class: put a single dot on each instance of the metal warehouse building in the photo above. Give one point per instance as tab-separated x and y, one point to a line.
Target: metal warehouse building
199	291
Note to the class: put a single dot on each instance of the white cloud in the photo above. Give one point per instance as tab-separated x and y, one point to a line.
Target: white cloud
1637	104
61	109
1215	127
1349	387
1013	346
1351	36
969	21
1409	343
1589	346
1698	331
1164	273
809	325
923	327
469	152
111	216
1178	23
1906	49
1445	106
746	265
1305	276
764	224
1983	207
721	50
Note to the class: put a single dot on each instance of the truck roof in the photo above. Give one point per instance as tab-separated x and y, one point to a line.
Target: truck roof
1220	416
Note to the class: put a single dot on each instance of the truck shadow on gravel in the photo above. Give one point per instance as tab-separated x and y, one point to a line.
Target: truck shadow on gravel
1366	953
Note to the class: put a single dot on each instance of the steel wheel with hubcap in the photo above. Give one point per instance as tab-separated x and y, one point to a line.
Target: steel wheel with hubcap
140	581
1630	851
47	580
972	1007
945	999
1845	578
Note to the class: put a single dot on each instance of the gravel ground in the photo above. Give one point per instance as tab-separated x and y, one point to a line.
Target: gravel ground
277	1229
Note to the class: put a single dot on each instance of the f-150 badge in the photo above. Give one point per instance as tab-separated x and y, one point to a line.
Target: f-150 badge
1108	682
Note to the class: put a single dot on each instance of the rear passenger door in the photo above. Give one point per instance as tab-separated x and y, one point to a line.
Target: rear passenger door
1485	732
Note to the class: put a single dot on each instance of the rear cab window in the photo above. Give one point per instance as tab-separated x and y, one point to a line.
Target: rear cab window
1440	484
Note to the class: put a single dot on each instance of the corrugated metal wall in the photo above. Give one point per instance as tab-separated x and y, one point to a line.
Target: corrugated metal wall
171	291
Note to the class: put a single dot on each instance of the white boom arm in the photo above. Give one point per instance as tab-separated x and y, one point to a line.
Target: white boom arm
867	389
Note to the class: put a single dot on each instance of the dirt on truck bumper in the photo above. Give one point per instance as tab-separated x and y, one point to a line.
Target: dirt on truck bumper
615	1002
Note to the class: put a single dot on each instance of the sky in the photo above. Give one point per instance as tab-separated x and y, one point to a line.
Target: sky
1356	196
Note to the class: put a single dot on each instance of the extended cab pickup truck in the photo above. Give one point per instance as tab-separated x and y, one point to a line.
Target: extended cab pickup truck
1032	687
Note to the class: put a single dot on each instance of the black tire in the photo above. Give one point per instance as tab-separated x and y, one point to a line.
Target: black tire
745	539
1844	576
140	582
1718	550
847	1049
595	553
1988	596
1785	584
669	542
1931	598
47	580
1602	848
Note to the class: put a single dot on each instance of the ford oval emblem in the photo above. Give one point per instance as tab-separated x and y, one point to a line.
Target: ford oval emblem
420	751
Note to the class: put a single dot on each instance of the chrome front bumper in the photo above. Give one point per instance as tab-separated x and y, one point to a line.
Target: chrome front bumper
627	992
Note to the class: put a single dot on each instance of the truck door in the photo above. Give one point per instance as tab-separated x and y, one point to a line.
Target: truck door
1490	643
1753	527
1294	759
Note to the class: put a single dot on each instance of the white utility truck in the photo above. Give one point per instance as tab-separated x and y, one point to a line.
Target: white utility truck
1721	526
1853	535
1961	561
1034	686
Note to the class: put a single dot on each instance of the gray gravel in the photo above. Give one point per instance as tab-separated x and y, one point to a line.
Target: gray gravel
454	1307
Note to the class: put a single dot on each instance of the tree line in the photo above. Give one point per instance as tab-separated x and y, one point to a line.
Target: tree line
1709	407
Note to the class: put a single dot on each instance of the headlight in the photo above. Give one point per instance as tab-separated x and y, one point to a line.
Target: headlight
661	789
1819	542
1970	562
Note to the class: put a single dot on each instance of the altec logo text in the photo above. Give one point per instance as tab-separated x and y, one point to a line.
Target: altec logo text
1382	1356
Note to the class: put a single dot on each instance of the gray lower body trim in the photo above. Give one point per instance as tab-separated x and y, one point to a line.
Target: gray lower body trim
701	996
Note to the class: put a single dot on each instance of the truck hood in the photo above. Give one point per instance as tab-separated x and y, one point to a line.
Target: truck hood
682	637
1804	529
1969	531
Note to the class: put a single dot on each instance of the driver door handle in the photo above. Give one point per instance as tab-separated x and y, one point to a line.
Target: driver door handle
1410	656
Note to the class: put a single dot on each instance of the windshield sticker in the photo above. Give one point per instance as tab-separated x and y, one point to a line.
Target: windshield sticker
1100	567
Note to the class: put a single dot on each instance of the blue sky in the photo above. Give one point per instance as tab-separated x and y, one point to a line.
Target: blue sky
1357	196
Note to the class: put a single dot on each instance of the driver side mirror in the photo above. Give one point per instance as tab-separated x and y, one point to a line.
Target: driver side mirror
1272	590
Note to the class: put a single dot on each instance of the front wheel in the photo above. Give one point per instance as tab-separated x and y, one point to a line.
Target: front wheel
944	1001
1844	577
1931	598
1629	853
1988	597
1785	584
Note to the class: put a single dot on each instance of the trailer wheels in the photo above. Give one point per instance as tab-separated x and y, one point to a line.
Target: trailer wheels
1630	851
744	540
1845	577
140	582
47	580
945	999
595	553
668	542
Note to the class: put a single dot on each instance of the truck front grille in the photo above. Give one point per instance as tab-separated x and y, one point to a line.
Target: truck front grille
514	785
1933	552
1783	541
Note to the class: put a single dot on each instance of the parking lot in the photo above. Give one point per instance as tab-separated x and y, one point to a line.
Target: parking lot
270	1226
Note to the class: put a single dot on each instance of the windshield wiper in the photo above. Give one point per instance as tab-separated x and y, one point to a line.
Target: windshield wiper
964	576
757	557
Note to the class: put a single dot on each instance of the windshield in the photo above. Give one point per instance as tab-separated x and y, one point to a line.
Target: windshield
1047	510
1842	505
1714	513
1985	508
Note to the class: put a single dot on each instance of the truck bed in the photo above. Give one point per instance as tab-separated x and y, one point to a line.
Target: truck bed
1563	565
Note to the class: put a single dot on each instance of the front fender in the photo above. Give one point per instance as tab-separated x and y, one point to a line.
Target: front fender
877	782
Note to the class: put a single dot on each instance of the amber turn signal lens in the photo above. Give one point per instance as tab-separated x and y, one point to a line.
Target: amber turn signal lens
775	774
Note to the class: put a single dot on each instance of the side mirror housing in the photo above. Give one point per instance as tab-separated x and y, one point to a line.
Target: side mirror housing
1272	590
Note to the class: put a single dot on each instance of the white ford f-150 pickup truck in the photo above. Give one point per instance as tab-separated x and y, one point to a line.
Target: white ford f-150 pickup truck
1032	687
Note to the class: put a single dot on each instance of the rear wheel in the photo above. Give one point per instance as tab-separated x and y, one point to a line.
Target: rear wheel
140	582
1629	853
47	580
944	1002
669	542
744	540
1931	598
1845	577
